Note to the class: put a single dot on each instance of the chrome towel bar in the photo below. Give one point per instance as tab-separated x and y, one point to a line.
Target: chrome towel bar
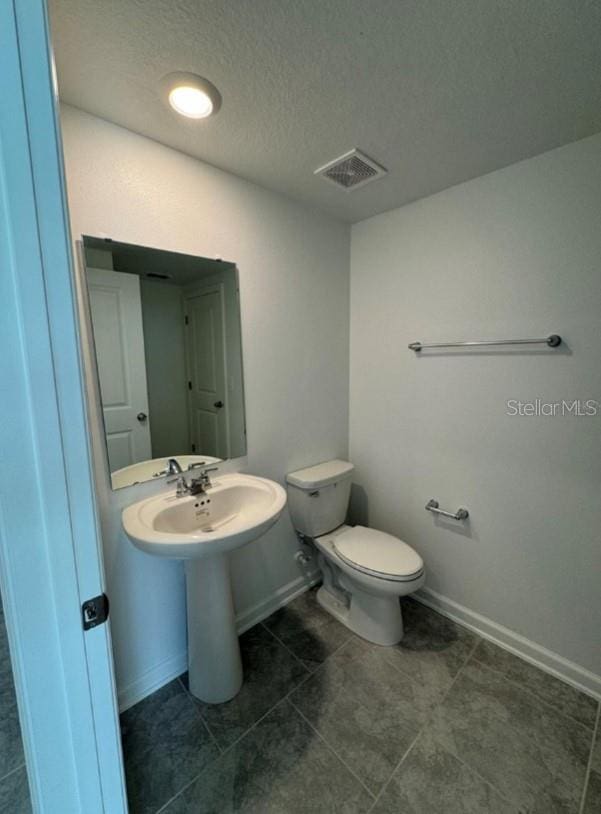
552	341
460	514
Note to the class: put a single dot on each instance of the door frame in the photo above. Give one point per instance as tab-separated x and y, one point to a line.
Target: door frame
50	548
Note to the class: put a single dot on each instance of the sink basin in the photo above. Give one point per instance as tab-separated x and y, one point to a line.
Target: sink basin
202	530
235	510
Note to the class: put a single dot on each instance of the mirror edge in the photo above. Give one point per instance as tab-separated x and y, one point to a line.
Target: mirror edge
89	361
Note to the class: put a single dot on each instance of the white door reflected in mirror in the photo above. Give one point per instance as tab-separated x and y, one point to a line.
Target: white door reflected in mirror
116	309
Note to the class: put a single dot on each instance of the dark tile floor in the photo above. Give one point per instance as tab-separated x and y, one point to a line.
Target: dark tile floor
14	787
325	722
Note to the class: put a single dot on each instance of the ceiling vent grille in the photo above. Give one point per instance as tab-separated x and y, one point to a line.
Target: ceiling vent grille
351	170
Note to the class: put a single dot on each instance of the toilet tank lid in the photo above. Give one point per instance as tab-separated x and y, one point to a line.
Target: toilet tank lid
314	477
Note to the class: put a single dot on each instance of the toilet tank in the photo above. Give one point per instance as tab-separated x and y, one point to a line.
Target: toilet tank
318	496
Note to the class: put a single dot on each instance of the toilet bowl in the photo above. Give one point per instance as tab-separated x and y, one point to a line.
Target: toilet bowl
365	571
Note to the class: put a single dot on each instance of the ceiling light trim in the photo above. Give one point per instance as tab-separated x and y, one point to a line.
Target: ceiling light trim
178	80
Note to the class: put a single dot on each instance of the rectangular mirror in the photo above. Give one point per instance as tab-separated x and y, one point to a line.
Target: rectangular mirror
167	338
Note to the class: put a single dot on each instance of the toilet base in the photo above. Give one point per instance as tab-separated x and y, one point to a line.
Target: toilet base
375	618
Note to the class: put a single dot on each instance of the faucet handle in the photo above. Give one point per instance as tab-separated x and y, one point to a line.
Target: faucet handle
203	480
205	474
196	465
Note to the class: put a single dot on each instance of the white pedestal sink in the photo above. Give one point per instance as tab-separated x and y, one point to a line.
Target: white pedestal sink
202	529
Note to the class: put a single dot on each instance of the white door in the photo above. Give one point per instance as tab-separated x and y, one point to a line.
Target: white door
205	350
116	309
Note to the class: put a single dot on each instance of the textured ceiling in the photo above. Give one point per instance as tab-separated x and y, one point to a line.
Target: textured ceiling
438	91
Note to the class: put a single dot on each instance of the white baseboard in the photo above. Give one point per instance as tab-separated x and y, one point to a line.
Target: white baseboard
152	680
172	667
568	671
282	596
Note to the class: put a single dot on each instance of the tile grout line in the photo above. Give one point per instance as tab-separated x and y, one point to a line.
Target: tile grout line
519	686
258	721
547	705
411	679
416	683
480	777
223	752
395	770
589	765
460	670
194	703
516	683
165	806
284	645
425	724
309	674
470	658
13	771
538	698
331	748
329	656
340	647
287	697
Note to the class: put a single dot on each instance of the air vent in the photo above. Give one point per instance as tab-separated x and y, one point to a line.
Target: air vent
351	170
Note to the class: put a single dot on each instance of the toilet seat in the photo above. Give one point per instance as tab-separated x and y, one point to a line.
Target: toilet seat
378	554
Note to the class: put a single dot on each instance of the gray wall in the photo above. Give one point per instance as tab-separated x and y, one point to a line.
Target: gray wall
516	253
294	291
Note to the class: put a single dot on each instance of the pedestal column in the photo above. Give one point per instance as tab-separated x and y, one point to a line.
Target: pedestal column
214	663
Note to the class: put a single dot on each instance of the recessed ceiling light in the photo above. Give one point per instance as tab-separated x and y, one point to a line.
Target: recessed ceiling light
191	95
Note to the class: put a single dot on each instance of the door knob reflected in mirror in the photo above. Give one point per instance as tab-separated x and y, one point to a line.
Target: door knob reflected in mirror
218	404
141	417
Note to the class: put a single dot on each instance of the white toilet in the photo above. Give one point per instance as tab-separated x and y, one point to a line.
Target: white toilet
364	571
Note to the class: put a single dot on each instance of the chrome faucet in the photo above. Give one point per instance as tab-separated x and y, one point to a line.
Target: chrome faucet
197	486
203	481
